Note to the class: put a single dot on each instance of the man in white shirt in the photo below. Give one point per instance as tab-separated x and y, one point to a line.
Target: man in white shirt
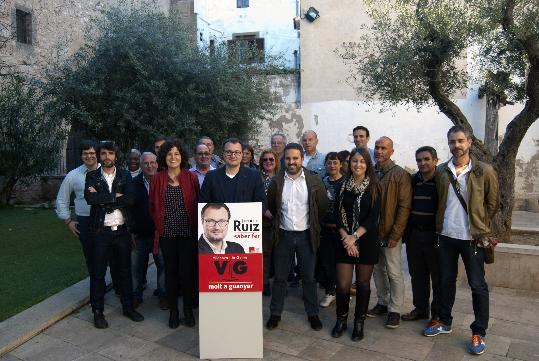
297	199
74	183
109	191
468	198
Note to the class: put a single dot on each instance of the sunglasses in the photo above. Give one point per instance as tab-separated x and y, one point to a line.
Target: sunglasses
268	159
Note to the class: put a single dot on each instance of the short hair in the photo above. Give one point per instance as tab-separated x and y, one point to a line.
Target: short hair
86	144
135	151
309	131
214	206
361	127
232	141
108	145
247	146
165	148
162	137
427	148
272	152
204	137
459	128
293	146
144	154
279	135
198	145
343	155
332	156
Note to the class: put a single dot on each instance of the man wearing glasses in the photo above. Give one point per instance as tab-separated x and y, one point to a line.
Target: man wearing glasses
202	163
74	183
215	218
233	183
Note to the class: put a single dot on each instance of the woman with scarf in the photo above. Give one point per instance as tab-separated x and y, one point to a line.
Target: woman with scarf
357	211
173	206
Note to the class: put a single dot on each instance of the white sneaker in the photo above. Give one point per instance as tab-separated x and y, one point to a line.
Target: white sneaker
327	300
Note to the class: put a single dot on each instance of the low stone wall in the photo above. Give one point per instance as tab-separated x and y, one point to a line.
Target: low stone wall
515	266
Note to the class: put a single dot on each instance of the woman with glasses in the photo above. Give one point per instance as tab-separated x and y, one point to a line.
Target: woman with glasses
173	206
269	166
357	210
248	157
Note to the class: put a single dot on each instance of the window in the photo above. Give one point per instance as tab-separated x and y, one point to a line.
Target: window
247	48
24	27
242	3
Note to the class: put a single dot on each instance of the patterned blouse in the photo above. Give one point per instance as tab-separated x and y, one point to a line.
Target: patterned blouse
176	219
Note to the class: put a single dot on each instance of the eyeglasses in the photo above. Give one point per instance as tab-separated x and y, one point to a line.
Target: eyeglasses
230	153
203	154
212	222
268	159
88	154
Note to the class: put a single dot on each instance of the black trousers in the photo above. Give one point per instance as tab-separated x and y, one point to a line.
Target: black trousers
114	246
326	272
424	268
267	248
181	266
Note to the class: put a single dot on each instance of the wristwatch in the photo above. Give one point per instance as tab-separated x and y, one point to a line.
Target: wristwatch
355	235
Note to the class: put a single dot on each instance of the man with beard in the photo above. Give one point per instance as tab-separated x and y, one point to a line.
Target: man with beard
297	199
467	201
215	218
108	191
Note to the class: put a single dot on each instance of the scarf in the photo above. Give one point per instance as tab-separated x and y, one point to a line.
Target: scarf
358	190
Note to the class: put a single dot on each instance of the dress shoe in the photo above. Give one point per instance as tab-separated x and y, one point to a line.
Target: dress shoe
189	318
340	327
99	320
133	315
174	319
273	322
315	322
414	315
136	302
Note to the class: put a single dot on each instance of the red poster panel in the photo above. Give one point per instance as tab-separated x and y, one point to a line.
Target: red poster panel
230	272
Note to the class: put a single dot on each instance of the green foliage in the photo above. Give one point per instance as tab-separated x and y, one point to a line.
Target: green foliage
39	258
30	136
142	74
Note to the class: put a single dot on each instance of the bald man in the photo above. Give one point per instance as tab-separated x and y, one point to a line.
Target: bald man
396	206
313	160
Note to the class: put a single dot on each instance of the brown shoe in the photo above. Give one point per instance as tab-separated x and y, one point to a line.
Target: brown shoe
414	315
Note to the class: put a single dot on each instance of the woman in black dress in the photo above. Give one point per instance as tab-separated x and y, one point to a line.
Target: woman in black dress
357	212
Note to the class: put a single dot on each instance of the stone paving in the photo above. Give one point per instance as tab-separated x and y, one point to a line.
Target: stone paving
513	334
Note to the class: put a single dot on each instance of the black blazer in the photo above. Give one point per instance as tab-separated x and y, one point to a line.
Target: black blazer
140	219
104	201
232	247
250	187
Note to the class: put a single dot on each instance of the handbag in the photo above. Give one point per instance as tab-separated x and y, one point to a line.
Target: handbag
486	242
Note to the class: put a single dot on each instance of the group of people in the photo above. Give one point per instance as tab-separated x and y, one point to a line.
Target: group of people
337	219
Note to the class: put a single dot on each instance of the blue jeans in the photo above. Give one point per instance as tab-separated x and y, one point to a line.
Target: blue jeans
139	262
473	258
283	255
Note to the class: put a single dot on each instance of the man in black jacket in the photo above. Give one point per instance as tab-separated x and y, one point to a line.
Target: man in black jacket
108	191
142	229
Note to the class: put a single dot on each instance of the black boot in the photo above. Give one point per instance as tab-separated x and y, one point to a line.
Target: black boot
174	318
340	326
189	317
362	304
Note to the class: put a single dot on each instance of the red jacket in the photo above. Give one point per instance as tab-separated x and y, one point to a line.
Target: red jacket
158	186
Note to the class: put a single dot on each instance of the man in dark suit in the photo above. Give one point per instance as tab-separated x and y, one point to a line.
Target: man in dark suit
108	190
233	183
215	218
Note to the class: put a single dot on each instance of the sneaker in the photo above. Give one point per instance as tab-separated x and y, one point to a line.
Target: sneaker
477	345
436	328
327	300
377	310
393	320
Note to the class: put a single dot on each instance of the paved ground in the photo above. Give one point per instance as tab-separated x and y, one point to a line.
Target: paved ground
513	334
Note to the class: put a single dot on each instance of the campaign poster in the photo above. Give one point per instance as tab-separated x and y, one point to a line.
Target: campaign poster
230	280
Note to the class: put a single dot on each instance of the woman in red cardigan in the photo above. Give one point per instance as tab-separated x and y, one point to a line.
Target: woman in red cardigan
173	207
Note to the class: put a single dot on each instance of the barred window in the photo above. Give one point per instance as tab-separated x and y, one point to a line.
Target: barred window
24	26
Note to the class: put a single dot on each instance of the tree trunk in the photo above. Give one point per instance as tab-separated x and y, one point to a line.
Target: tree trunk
6	190
491	123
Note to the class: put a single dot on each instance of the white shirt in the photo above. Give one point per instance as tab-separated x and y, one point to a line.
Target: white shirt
73	182
216	250
456	224
115	218
295	204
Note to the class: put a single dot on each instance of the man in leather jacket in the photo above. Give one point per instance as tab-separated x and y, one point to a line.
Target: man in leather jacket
108	190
